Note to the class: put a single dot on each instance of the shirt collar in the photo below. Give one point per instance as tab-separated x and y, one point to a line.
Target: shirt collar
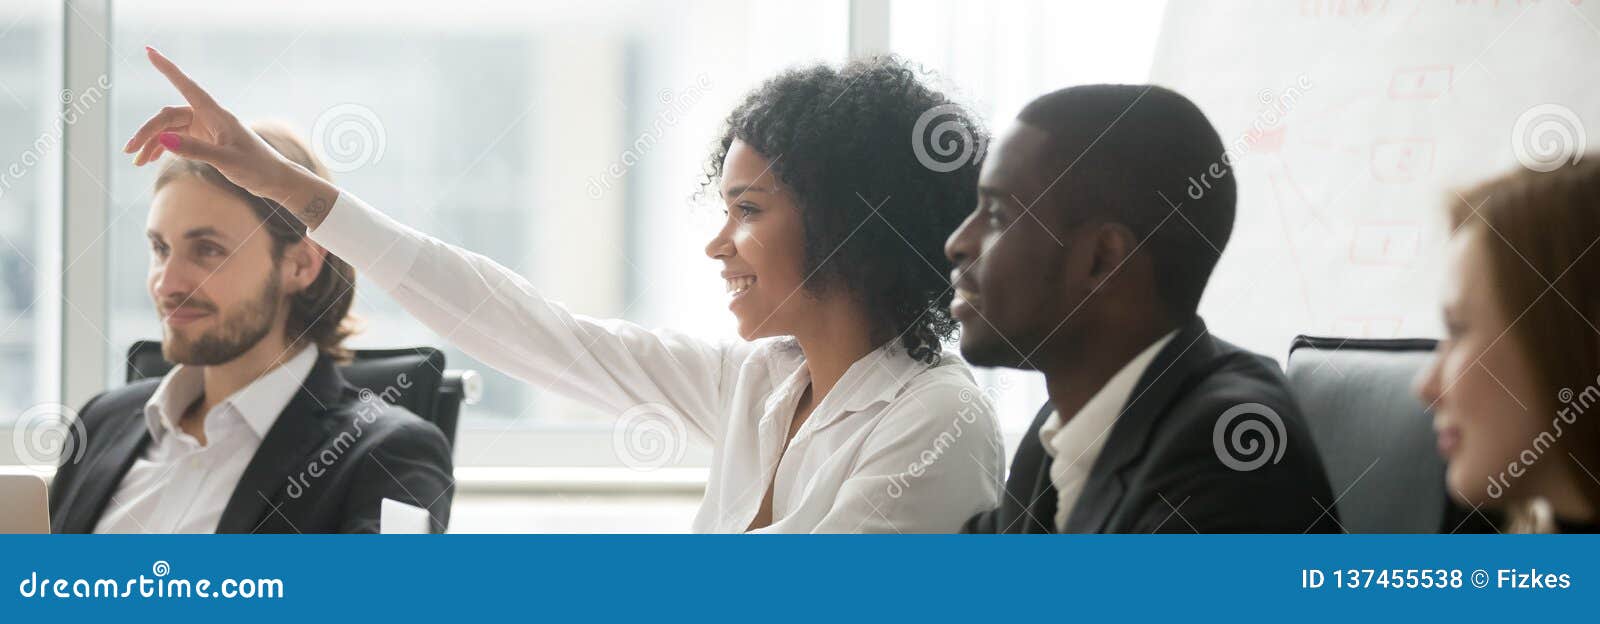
178	390
258	403
1101	409
875	378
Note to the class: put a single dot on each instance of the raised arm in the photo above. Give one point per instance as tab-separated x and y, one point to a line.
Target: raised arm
484	308
495	315
205	131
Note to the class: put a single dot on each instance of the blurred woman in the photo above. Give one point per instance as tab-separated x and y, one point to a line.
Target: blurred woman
1515	386
838	411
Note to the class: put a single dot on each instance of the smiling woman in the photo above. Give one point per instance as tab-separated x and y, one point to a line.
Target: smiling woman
860	220
1519	367
829	233
837	412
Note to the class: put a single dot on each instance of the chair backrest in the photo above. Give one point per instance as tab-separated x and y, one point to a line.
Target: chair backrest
1376	439
426	388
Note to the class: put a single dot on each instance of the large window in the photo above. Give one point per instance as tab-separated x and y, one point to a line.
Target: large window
563	139
32	125
566	140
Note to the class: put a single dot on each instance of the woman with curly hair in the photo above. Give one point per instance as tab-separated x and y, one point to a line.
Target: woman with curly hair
838	411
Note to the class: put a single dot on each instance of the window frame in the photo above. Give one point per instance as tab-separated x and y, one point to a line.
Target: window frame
79	347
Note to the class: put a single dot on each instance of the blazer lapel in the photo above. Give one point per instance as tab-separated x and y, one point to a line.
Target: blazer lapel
99	482
1167	374
1040	514
299	430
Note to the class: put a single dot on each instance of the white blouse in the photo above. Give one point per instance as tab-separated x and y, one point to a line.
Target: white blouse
896	446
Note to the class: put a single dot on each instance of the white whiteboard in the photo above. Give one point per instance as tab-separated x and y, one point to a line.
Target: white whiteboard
1381	109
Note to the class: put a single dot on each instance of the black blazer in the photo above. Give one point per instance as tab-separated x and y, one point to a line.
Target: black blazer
324	466
1160	471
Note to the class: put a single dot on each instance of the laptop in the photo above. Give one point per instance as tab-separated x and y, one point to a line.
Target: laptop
27	508
397	517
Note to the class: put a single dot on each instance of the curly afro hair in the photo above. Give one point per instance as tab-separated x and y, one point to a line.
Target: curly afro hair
883	168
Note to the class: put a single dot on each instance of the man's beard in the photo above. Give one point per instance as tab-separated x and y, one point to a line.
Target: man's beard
237	331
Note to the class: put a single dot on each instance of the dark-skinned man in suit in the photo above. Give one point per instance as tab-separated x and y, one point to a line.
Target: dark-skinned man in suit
1100	217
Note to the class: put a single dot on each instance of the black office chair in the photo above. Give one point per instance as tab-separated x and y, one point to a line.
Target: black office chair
1376	439
435	394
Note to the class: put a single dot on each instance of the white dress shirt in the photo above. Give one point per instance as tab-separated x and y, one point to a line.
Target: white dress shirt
1076	444
896	446
181	486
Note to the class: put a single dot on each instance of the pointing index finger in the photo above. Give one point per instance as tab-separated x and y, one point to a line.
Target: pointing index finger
192	92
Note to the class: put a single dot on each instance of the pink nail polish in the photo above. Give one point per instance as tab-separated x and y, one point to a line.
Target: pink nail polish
169	140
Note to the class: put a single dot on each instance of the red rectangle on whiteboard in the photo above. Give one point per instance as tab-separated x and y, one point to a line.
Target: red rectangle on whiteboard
1420	83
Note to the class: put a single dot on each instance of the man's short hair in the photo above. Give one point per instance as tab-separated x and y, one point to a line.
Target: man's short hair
1146	157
